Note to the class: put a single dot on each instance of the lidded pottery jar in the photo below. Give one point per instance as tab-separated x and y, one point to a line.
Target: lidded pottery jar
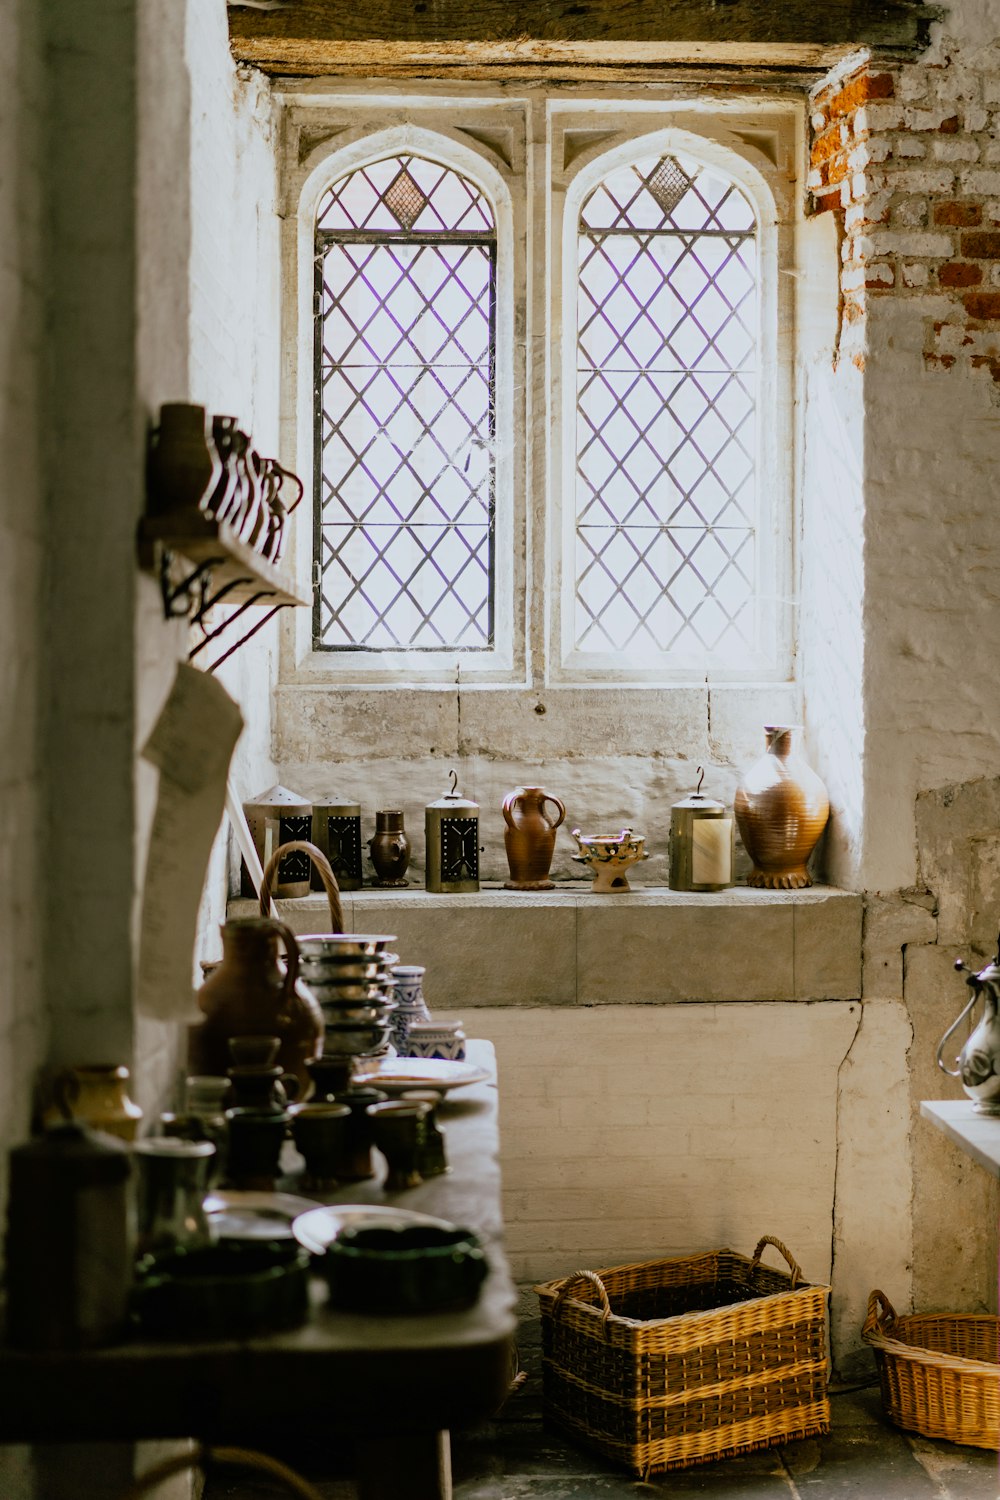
530	837
781	809
701	843
275	818
451	833
389	849
249	994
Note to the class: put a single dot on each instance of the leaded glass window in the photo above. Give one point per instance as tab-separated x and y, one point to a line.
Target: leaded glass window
666	518
404	482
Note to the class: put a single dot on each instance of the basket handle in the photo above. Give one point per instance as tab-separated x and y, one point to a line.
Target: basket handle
203	1457
793	1265
594	1280
880	1313
319	859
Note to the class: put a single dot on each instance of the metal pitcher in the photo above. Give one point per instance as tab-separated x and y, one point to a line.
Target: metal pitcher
978	1063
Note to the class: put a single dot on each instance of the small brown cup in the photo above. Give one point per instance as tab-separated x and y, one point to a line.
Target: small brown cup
399	1129
256	1137
321	1133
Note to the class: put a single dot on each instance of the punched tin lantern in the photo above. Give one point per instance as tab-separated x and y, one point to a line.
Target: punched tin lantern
451	827
278	817
701	843
336	831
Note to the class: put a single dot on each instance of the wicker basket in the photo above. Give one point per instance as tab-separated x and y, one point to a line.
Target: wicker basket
677	1362
939	1372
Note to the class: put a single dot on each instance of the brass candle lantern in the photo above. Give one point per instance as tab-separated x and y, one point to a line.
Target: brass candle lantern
336	830
451	826
701	843
278	817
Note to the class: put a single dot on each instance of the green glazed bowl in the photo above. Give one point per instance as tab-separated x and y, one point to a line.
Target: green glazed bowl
234	1289
413	1268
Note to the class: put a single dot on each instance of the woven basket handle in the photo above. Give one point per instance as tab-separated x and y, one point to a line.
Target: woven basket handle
204	1457
594	1280
793	1265
880	1313
319	859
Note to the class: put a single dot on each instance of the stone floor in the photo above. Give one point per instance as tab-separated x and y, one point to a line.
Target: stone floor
515	1458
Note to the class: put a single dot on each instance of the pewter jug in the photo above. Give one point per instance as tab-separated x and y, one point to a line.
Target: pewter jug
979	1060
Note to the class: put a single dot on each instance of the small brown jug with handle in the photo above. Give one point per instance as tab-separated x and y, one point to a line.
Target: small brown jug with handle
250	994
530	837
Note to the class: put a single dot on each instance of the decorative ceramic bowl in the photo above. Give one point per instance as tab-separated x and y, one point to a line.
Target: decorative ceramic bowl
436	1038
349	1040
405	1269
609	855
344	945
233	1289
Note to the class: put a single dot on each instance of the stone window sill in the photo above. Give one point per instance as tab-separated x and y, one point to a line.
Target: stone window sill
648	946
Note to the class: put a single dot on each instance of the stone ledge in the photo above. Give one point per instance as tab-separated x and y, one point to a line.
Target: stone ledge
649	946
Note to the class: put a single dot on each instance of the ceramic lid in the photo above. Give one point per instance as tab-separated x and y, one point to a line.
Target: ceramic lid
279	796
697	803
453	802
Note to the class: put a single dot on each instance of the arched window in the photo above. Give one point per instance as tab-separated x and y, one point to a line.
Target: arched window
667	519
405	320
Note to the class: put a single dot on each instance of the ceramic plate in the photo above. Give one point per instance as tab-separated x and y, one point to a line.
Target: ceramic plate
254	1216
320	1226
397	1074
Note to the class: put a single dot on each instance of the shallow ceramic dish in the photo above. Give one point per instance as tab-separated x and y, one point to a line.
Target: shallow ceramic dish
347	945
234	1215
358	1013
353	1041
323	971
320	1226
404	1268
229	1290
333	992
397	1074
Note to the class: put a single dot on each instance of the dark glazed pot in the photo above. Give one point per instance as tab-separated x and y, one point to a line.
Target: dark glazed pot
389	849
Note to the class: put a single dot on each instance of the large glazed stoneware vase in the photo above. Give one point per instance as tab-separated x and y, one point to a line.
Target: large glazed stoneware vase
530	837
250	994
781	810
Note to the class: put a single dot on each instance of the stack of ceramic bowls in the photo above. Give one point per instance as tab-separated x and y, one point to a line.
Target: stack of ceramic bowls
351	976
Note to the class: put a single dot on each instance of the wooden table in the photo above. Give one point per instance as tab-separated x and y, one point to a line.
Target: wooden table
391	1386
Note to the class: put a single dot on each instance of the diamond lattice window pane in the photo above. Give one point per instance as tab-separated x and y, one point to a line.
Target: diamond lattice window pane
666	507
405	356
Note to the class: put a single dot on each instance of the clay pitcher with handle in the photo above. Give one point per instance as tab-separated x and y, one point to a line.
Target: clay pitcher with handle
250	994
530	837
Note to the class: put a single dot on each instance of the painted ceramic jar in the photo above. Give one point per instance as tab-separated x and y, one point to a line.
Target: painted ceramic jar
781	810
530	837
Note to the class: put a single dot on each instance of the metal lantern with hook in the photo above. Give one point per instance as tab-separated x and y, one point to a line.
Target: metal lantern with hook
451	826
701	843
978	1063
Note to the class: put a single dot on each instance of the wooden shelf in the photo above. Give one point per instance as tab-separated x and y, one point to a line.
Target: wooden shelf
239	573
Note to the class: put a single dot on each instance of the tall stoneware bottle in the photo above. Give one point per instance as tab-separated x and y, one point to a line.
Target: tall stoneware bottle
781	810
530	837
249	994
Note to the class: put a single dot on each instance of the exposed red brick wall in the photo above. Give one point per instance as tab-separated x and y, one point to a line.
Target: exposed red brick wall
909	160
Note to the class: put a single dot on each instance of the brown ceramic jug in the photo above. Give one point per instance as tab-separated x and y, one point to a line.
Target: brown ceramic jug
781	809
530	837
249	994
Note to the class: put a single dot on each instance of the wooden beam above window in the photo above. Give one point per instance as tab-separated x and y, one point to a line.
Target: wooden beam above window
314	37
